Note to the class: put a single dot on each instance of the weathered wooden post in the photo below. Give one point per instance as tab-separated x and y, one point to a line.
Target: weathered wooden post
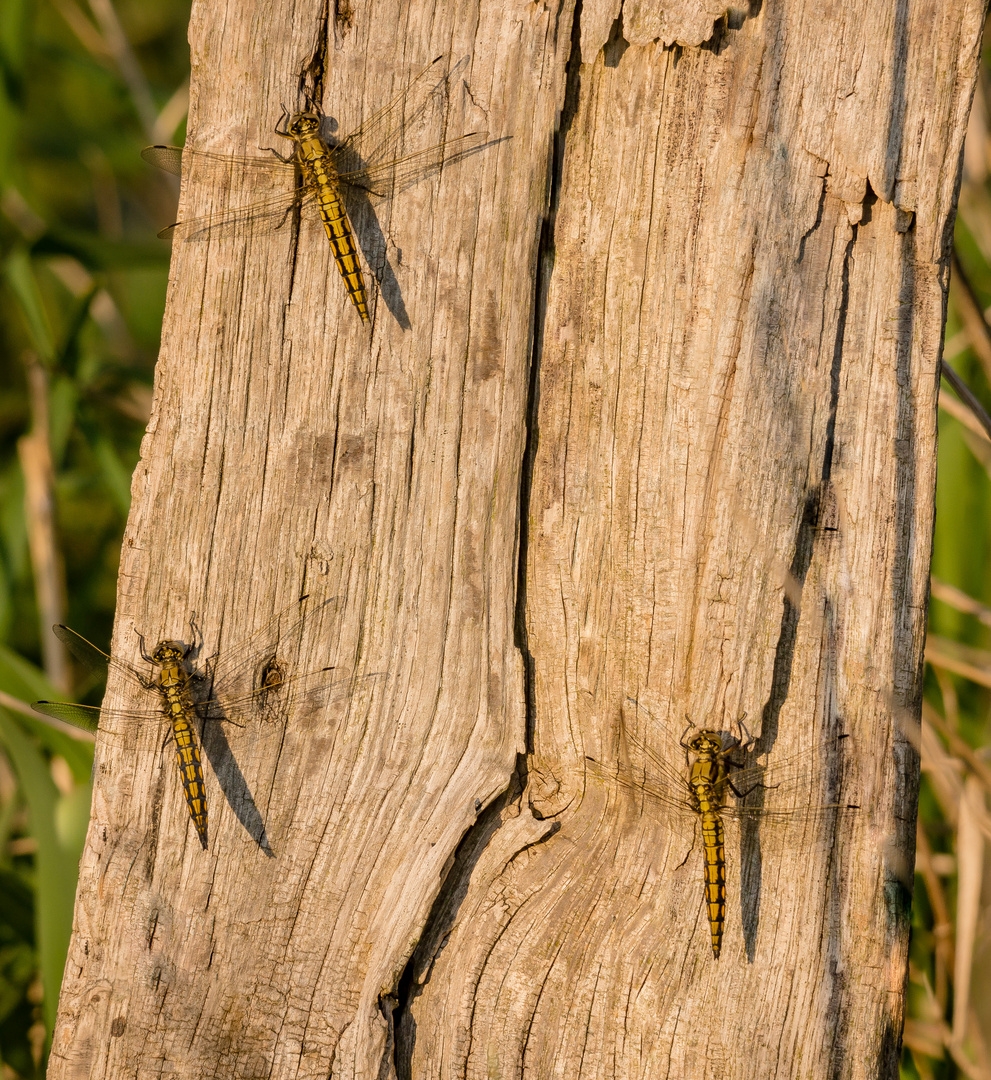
645	413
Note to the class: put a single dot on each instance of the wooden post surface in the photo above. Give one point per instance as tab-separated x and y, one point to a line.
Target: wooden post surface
643	426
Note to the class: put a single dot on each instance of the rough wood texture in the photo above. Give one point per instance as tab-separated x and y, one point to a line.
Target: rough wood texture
727	508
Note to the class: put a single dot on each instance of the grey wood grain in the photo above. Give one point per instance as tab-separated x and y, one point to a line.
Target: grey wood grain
726	508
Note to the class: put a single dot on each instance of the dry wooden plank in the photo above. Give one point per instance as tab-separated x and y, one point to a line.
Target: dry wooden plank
728	509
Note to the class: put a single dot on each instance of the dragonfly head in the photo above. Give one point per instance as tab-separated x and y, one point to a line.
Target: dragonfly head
169	652
705	744
302	125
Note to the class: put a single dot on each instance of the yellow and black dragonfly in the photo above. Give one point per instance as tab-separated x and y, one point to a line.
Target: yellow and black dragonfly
369	163
248	681
721	778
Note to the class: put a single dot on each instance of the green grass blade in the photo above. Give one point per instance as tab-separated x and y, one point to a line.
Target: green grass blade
57	830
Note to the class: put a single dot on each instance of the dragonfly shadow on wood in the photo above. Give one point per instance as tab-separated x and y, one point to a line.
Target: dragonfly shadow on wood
232	781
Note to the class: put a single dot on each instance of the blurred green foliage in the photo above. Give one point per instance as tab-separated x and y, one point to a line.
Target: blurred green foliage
82	292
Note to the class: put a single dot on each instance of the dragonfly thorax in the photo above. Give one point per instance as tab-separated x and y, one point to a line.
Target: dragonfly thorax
303	125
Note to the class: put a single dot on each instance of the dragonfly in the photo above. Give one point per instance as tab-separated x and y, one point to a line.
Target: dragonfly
246	680
323	171
720	779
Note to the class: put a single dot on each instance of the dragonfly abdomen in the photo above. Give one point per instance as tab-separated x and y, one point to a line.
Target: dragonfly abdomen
708	777
715	876
174	685
335	220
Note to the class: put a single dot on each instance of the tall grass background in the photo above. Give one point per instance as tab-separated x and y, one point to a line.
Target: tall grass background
82	292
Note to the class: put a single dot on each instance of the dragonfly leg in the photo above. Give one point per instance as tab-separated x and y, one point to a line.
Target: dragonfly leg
287	159
195	638
744	740
148	684
683	741
281	129
753	787
142	647
280	125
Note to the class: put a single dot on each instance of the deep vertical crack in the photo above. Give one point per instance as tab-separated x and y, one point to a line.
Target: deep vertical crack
834	376
310	86
544	267
477	837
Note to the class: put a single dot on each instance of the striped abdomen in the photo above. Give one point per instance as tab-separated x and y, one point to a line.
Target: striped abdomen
715	876
174	685
706	782
323	175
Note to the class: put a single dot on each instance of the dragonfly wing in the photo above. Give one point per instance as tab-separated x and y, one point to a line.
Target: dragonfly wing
88	716
167	158
379	137
264	659
170	159
84	651
388	178
247	220
94	659
81	716
254	679
801	789
664	795
298	693
258	216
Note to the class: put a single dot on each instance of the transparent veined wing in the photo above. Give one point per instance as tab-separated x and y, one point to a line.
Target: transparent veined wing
249	220
368	160
378	138
170	159
253	679
389	178
98	662
260	215
258	679
372	158
80	716
166	158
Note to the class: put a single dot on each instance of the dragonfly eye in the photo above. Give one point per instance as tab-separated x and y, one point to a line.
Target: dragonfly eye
705	743
303	124
168	652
